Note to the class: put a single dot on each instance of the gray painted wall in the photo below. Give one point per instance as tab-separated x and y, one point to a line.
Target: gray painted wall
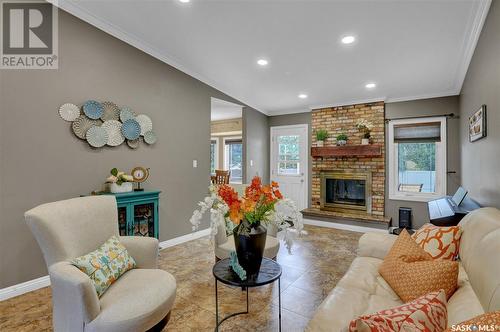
481	159
294	119
255	145
424	107
42	161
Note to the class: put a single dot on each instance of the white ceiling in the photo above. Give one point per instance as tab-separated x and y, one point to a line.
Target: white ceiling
224	110
412	49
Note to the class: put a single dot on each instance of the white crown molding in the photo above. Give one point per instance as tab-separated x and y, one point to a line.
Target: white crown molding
284	112
476	22
448	93
348	102
25	287
74	9
345	227
32	285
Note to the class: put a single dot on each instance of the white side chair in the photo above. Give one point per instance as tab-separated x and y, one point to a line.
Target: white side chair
139	300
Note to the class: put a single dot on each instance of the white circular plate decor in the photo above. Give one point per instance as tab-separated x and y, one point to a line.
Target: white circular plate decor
111	111
82	124
69	112
97	136
133	144
150	137
145	123
114	130
126	114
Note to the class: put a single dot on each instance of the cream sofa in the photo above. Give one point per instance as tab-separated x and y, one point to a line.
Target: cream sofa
362	290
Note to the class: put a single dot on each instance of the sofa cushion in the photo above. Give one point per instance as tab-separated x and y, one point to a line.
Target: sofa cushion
439	242
360	291
426	313
137	302
106	264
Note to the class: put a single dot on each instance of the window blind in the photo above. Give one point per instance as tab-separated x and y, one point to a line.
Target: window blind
234	141
417	132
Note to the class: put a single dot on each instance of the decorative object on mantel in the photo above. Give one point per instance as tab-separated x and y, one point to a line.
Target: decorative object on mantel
140	174
235	265
341	139
321	136
105	123
119	182
244	218
477	124
366	127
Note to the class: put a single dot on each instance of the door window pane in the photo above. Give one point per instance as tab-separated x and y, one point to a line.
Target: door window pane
213	155
144	220
122	221
417	167
288	155
234	159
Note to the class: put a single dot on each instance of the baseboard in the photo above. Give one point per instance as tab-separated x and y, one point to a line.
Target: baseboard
354	228
25	287
184	238
31	285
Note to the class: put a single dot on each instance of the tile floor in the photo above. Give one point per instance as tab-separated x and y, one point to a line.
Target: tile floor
317	262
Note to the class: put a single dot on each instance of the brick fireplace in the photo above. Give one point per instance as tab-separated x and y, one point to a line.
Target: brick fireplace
349	181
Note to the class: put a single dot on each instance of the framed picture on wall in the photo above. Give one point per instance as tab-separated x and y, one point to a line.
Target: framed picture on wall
477	124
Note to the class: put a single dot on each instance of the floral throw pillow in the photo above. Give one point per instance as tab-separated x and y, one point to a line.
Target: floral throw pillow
427	313
106	264
439	242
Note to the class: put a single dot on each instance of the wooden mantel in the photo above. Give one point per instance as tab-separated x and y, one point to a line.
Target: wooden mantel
370	150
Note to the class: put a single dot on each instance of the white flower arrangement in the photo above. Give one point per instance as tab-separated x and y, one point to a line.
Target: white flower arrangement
365	126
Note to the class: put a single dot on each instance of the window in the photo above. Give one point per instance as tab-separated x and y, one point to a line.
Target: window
288	155
214	155
417	159
233	161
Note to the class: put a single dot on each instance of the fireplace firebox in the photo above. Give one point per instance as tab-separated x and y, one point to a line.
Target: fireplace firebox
342	191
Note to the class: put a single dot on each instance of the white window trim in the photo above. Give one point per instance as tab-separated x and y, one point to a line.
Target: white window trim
441	167
216	139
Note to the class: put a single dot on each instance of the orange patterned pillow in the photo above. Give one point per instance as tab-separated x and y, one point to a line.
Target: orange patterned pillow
427	313
439	242
489	321
411	272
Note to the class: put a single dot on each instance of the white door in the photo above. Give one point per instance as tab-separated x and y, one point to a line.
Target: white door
289	161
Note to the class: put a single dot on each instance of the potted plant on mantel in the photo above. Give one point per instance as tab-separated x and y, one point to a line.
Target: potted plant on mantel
341	139
321	136
366	127
245	217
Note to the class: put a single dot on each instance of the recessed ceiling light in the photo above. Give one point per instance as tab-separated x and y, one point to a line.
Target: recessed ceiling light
302	96
348	39
262	62
370	85
184	1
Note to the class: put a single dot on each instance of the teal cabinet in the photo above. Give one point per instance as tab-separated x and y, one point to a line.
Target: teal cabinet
138	213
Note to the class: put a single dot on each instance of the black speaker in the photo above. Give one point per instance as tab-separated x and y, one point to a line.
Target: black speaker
405	217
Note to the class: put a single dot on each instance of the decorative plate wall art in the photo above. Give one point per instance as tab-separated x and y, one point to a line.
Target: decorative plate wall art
69	112
114	130
108	124
145	123
131	129
111	111
97	136
93	109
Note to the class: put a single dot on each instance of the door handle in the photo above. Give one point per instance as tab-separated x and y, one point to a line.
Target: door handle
301	180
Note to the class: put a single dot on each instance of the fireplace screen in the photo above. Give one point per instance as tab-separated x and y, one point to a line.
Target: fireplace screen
345	191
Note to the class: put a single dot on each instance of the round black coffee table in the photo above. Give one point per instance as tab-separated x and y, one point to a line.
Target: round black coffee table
269	271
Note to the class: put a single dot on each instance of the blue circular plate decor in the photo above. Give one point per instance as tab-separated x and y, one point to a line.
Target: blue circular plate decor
93	109
131	129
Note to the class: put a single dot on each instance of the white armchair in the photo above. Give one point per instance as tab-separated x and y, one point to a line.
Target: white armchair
139	300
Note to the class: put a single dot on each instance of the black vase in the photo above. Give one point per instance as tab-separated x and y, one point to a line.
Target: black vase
250	249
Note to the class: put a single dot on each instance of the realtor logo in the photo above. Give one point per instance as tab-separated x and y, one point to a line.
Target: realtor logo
29	35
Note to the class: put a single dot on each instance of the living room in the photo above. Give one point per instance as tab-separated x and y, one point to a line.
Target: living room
335	126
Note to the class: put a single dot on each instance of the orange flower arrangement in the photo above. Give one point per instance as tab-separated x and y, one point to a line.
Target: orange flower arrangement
257	201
